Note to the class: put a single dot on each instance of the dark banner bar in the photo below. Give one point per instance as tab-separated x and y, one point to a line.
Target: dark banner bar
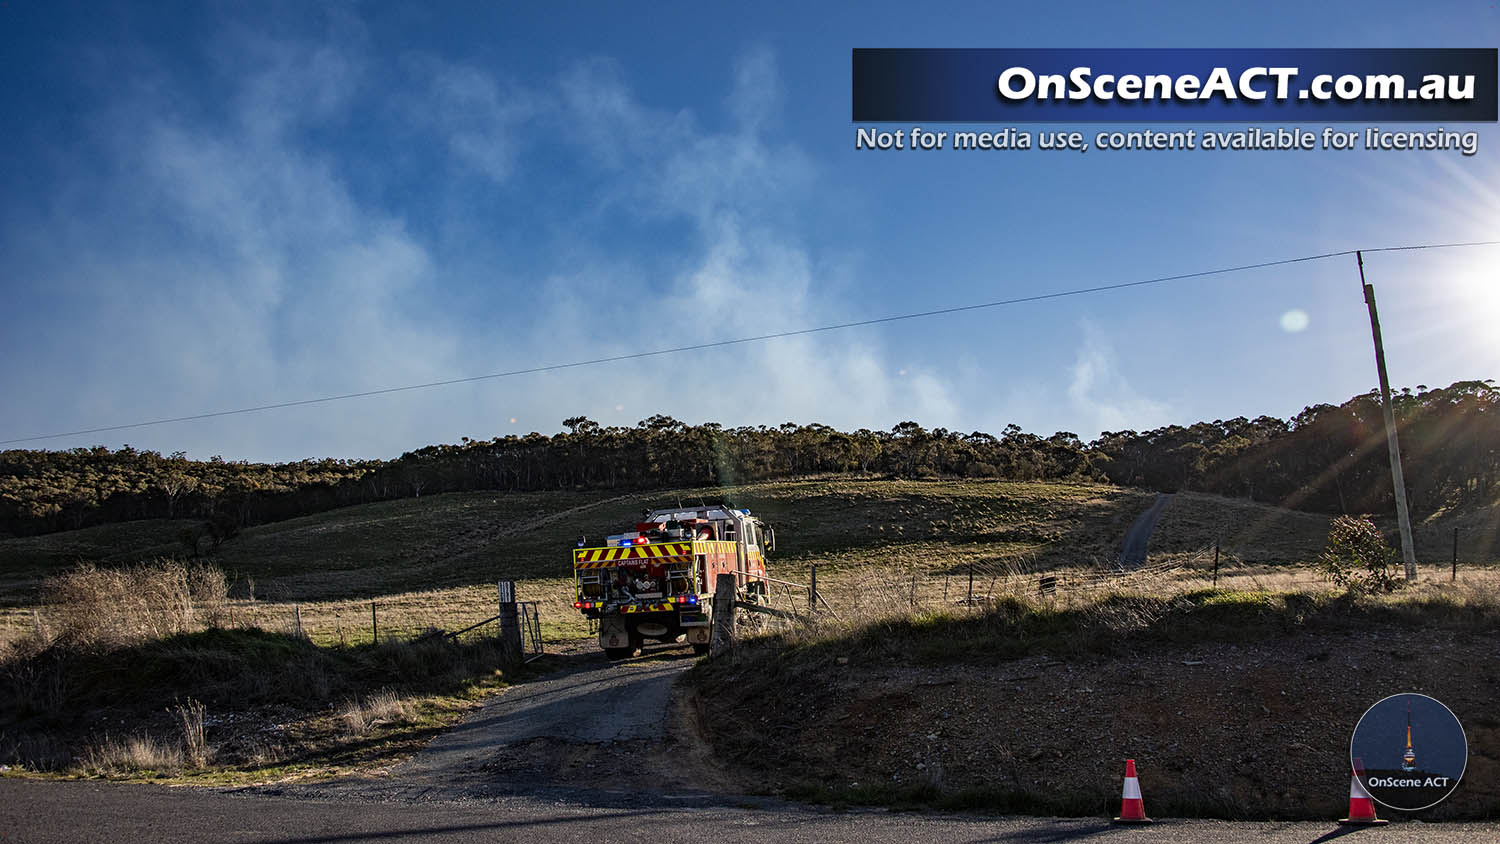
1186	85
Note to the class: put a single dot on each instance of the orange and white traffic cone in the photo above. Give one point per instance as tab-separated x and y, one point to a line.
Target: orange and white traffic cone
1132	808
1361	805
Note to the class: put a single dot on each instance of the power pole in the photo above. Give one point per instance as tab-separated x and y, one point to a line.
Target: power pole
1403	519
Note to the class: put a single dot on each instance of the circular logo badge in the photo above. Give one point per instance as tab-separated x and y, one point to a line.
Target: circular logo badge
1409	752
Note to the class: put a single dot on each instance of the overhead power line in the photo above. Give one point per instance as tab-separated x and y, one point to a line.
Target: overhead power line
754	339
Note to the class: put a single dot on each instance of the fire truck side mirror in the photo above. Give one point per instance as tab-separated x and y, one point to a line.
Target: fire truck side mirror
769	540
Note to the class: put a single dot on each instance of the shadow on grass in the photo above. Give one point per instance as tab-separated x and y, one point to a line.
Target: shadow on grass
1113	624
60	698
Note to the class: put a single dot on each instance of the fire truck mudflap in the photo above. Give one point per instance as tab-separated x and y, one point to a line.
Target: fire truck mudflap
613	633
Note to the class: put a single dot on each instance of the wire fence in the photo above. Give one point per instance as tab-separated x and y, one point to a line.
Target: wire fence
466	614
953	583
939	583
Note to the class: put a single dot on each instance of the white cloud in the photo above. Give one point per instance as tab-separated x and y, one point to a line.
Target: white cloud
751	273
1101	395
227	262
756	96
478	116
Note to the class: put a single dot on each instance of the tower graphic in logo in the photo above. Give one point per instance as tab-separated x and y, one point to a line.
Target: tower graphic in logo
1409	757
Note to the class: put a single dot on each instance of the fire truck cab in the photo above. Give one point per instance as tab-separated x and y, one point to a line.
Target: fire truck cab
657	581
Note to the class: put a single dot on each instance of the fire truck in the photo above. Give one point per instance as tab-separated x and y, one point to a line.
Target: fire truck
657	581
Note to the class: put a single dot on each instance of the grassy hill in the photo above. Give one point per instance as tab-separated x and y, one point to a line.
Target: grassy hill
896	559
432	561
470	538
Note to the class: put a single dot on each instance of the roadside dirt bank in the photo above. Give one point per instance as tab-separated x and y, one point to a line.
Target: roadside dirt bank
1243	730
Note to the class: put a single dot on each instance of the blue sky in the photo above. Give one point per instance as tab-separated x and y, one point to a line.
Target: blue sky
213	206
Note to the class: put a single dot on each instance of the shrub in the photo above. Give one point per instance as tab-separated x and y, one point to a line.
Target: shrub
1357	558
95	606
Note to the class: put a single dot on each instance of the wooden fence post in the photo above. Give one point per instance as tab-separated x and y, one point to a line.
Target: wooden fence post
723	618
812	590
297	608
374	625
510	625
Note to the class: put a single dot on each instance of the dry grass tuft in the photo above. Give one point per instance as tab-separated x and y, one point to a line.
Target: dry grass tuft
150	755
140	754
195	747
110	607
381	708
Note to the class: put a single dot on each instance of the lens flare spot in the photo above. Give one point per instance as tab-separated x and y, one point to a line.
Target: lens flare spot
1294	321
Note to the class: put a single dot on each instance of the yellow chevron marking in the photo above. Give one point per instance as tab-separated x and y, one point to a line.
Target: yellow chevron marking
665	552
635	608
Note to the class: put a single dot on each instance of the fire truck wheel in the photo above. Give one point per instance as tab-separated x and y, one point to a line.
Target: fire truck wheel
618	653
700	650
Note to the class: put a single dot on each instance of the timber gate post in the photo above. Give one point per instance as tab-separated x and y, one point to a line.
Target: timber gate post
723	618
510	625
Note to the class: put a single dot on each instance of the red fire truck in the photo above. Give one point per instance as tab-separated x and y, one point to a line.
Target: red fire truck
657	581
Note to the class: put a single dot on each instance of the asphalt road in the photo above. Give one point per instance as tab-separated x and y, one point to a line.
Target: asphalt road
589	700
463	790
90	813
